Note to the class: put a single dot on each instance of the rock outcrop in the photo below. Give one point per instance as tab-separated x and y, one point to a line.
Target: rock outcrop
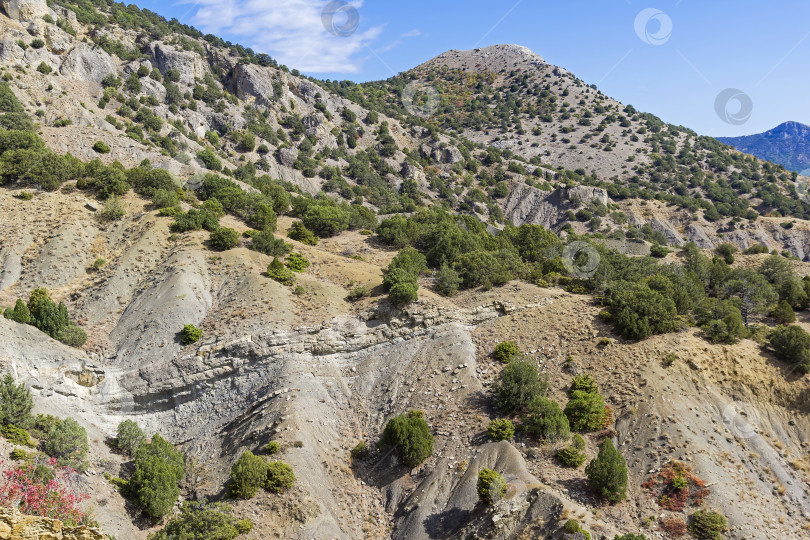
188	63
17	526
25	10
88	64
251	81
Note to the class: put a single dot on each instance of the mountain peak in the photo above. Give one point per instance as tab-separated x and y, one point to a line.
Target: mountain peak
787	144
492	58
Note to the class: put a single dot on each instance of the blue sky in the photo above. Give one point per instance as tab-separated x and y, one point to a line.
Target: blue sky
759	48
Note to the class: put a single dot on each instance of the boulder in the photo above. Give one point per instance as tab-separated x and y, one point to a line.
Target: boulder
666	228
58	40
408	170
25	10
187	63
86	63
254	81
287	156
312	123
308	90
153	88
10	51
452	155
65	13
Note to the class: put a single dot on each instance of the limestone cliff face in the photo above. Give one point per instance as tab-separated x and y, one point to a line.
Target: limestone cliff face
17	526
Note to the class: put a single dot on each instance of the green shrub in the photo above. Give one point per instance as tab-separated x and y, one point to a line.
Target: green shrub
756	249
72	336
410	435
491	486
297	262
67	442
18	454
792	344
326	221
505	351
299	232
518	384
243	526
98	263
545	420
15	403
409	260
223	239
360	451
113	209
501	429
248	474
266	243
201	520
46	315
573	455
16	435
280	477
190	334
44	68
707	525
129	437
277	271
273	447
404	293
607	473
783	313
639	312
101	147
726	251
573	527
359	292
630	536
158	471
209	160
19	313
585	411
659	252
447	281
584	383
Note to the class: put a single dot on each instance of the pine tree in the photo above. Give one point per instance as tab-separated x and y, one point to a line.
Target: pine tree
15	403
607	474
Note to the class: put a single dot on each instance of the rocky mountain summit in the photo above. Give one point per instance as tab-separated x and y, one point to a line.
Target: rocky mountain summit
319	363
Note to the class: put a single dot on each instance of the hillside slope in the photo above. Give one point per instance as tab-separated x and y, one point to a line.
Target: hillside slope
324	364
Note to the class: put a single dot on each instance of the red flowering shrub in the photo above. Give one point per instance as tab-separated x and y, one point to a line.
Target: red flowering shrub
676	487
44	495
674	527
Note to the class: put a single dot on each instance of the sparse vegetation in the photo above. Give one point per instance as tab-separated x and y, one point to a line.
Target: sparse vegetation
409	435
491	486
190	334
501	429
505	351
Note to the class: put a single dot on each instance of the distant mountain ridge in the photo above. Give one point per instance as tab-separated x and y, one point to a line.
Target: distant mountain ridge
787	144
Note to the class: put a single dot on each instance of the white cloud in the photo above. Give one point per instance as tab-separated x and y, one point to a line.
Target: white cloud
291	31
412	33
